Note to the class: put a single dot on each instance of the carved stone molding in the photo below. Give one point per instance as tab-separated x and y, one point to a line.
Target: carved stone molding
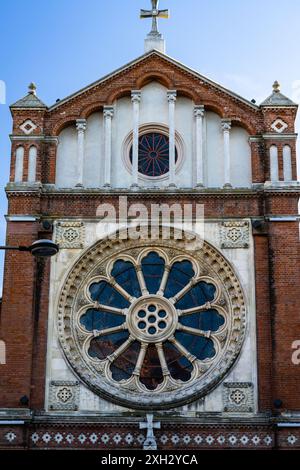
279	126
28	126
75	340
69	234
64	395
238	397
235	234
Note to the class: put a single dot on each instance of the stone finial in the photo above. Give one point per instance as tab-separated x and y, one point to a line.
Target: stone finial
276	87
32	88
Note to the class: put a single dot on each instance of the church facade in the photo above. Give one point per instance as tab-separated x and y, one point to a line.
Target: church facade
127	341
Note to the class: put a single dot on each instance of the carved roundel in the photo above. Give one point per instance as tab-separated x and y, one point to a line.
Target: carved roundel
153	325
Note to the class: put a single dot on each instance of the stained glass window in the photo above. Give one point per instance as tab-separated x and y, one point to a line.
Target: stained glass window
151	319
153	154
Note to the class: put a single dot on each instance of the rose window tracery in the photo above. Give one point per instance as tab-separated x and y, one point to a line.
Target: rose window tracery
156	328
153	157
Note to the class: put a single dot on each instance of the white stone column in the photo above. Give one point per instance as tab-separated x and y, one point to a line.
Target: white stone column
226	127
81	128
172	94
108	113
199	114
136	99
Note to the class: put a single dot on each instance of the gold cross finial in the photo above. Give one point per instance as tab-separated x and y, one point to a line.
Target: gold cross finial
155	13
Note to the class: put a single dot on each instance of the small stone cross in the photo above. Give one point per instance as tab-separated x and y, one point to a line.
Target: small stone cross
150	442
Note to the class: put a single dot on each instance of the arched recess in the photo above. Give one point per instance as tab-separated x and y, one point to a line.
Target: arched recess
274	169
2	352
161	78
19	164
67	154
240	122
32	162
240	156
240	153
287	163
119	94
66	158
64	124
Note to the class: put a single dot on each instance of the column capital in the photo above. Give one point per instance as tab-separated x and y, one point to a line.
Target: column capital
81	125
199	111
136	96
172	96
108	111
226	124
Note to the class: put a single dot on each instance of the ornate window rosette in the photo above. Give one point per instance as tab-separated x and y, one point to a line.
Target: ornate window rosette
151	324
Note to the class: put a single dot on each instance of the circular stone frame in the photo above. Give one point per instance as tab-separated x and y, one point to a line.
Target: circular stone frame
94	264
145	129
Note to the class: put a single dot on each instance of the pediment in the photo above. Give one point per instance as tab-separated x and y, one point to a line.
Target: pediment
134	75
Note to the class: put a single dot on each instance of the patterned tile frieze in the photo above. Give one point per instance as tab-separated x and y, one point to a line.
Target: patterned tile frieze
171	436
238	397
64	395
235	234
69	234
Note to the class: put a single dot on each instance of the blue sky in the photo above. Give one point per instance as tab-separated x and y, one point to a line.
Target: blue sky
63	45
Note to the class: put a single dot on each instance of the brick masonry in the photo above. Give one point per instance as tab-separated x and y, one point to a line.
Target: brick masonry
23	320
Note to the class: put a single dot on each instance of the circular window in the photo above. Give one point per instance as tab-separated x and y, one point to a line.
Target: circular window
151	326
153	154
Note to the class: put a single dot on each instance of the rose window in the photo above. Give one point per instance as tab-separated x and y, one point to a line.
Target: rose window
153	157
152	326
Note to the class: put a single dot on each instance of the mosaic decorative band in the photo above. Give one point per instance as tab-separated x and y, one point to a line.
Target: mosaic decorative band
125	436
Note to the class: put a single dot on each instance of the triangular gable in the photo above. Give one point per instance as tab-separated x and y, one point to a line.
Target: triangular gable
169	60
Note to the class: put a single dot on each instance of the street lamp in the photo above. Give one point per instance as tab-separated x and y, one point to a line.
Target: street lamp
39	248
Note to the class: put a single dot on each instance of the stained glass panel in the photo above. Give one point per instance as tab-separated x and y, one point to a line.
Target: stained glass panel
153	154
106	294
179	366
125	274
105	345
200	347
180	275
151	373
197	295
153	267
210	320
100	320
123	367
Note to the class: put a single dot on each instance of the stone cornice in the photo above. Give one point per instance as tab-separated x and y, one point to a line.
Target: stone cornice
272	136
146	194
43	138
276	136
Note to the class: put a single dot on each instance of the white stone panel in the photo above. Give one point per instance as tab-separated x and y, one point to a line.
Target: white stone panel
287	163
153	112
66	161
19	165
122	124
2	353
154	104
94	152
240	154
245	369
274	171
32	164
214	151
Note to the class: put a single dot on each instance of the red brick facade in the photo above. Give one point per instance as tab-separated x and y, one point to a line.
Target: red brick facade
23	321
